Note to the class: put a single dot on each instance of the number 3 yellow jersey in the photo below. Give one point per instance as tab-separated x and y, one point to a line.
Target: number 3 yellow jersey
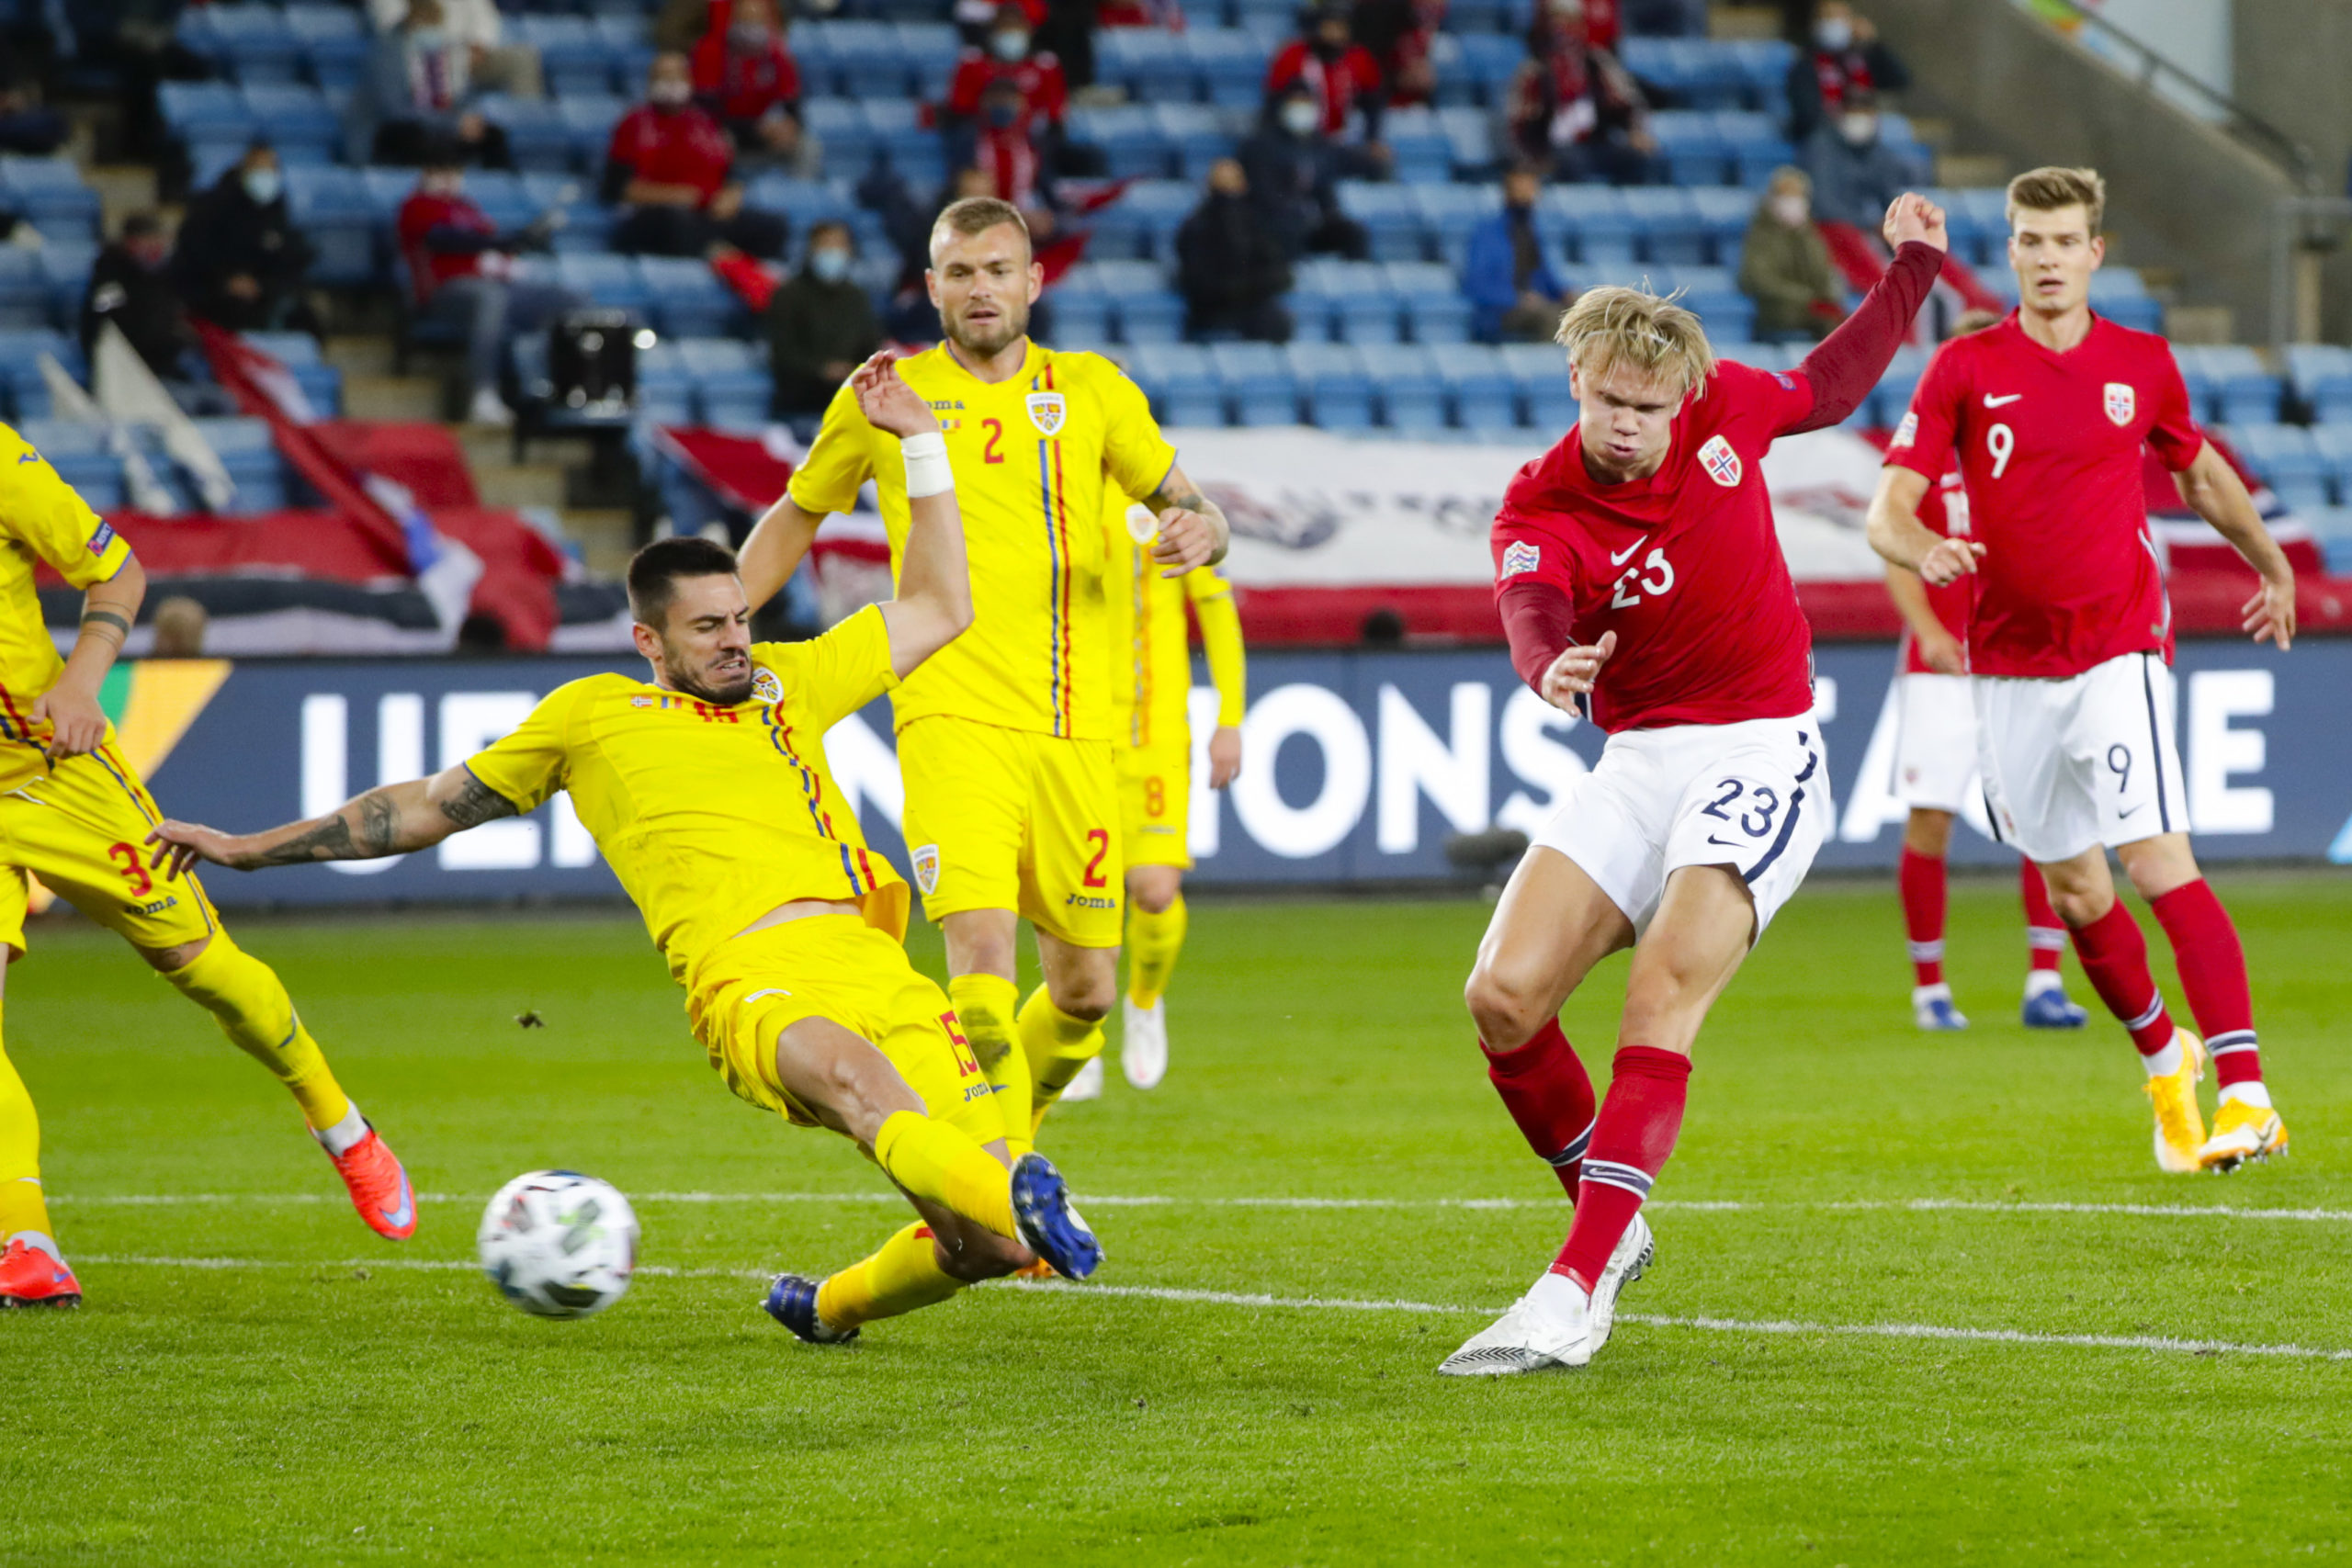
1151	658
711	815
41	519
1035	456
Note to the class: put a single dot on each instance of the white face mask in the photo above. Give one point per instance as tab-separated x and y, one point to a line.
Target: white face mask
1833	33
443	185
1010	46
1859	128
1299	117
1790	208
829	263
263	185
669	95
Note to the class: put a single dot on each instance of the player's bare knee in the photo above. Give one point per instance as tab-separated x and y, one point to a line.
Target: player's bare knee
1507	1014
1928	833
2157	866
969	1253
1154	889
1085	997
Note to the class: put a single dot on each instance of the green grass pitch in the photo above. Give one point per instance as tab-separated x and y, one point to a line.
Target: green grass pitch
309	1395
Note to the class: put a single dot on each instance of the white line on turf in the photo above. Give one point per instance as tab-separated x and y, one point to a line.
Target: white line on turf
1859	1205
1341	1303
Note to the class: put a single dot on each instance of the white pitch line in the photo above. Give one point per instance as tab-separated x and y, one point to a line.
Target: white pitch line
1340	1304
1101	1201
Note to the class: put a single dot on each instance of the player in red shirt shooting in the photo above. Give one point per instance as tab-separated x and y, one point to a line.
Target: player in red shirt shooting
1640	577
2070	639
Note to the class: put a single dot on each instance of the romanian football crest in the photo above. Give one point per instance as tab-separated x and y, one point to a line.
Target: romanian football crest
1520	556
1721	462
765	687
926	864
2121	403
1046	412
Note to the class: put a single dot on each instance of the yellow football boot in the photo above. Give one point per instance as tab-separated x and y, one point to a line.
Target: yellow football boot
2180	1126
2241	1135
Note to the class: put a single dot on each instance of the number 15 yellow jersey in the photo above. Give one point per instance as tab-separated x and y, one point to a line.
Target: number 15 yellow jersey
1031	456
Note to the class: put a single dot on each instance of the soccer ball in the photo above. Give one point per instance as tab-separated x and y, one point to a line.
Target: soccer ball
558	1244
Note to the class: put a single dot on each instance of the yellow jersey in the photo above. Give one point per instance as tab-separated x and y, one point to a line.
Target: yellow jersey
1151	658
1031	456
712	816
41	519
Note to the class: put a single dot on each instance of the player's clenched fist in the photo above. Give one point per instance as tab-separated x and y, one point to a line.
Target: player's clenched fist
1187	540
1949	561
885	399
1914	217
1572	674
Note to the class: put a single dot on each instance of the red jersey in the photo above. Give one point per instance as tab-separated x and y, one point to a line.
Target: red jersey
1338	83
673	147
421	214
1043	89
740	85
1685	566
2049	447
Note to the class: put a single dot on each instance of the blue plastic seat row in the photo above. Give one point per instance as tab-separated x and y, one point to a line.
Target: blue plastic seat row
1715	73
1212	65
2322	377
2309	468
1351	302
50	192
82	459
1412	387
304	123
44	288
694	381
1577	223
2229	385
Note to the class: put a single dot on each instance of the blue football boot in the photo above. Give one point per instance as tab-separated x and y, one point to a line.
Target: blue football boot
1049	1226
792	1302
1932	1008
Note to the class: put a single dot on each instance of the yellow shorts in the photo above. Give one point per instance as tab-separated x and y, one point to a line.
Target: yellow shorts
83	830
748	991
1155	804
1002	818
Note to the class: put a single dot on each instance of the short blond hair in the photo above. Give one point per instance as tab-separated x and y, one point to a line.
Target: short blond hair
1610	327
978	215
2051	188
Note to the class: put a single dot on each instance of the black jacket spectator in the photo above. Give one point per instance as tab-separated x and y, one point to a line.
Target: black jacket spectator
129	286
1294	172
1230	265
240	259
819	325
1843	56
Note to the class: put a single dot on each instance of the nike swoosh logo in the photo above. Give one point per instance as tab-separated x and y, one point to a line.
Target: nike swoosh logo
1724	844
1992	402
401	1216
2141	806
1618	558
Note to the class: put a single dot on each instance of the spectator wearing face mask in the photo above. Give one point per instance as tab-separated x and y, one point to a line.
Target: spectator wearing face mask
1855	173
1784	264
1575	111
1294	172
493	64
1844	56
745	74
1340	73
1514	295
240	260
670	164
1007	57
1230	265
819	324
461	270
131	287
416	92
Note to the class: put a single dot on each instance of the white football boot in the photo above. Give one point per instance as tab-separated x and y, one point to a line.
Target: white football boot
1088	1084
1549	1327
1143	1043
1636	1249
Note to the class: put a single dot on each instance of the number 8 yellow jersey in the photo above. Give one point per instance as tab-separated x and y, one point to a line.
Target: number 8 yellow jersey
1032	455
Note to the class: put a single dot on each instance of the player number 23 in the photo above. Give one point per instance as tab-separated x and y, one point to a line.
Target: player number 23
1755	822
1653	575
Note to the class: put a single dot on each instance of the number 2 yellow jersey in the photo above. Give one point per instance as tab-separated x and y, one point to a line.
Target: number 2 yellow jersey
1035	456
1151	660
41	519
712	816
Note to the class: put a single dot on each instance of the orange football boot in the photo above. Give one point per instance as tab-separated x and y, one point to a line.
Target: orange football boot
31	1278
379	1188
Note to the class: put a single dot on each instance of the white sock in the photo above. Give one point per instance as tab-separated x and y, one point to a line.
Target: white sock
2040	980
2255	1094
1939	991
39	1241
2165	1063
337	1139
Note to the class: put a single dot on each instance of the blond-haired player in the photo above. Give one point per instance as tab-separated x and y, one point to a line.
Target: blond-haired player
73	813
707	791
1012	802
1151	691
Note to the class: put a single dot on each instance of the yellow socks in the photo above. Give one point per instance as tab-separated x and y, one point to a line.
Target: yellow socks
985	1004
904	1275
22	1207
254	1011
1058	1046
934	1160
1153	942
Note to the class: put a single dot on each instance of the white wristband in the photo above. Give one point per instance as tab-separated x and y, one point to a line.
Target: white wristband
928	471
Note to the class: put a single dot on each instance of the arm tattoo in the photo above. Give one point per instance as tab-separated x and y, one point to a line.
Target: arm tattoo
1190	501
477	803
94	618
331	840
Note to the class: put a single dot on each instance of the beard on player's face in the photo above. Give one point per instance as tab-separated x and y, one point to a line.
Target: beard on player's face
1002	322
701	668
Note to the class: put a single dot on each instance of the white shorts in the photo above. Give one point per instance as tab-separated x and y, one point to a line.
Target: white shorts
1935	741
2072	764
1740	795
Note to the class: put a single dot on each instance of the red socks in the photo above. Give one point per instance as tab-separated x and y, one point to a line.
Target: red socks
2045	934
2115	958
1635	1131
1546	1091
2213	973
1921	878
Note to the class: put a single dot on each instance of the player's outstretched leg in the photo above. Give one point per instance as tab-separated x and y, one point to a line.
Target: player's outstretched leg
1921	881
2047	1005
1157	921
2212	972
250	1003
904	1275
33	1271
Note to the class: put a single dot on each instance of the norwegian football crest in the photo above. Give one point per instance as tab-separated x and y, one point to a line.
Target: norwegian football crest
765	687
925	858
1520	556
2122	402
1046	412
1721	462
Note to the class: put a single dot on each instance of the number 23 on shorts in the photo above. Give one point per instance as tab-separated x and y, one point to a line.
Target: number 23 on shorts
1753	815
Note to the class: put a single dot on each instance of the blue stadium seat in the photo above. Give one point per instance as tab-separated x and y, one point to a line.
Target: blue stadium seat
1128	136
1724	214
206	115
866	59
929	50
573	53
1362	307
1754	144
1693	147
541	139
80	454
25	293
1082	318
252	44
913	149
2229	386
812	50
1181	381
299	352
299	122
614	282
2286	459
1712	294
1450	211
332	208
1473	69
731	380
1974	240
1478	386
1257	381
1151	64
1421	151
1595	219
20	351
849	143
1900	381
665	388
64	273
1763	68
687	299
1333	384
1141	225
50	192
1390	217
1231	63
248	451
805	203
2322	375
1668	225
1141	304
1413	394
333	40
1433	303
590	122
1194	136
2119	294
2334	444
1541	373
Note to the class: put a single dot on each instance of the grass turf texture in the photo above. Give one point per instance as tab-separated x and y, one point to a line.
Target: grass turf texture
346	1407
